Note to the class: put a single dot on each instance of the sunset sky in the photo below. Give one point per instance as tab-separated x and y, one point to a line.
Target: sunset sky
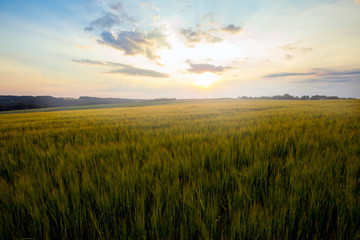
179	48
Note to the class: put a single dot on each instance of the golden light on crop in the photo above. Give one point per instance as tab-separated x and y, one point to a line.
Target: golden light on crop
205	80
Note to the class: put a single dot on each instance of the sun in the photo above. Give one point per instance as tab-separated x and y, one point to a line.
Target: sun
205	80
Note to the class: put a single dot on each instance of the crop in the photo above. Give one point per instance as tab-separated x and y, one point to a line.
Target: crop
225	169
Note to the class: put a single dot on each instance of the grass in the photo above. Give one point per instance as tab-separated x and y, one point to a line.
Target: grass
192	170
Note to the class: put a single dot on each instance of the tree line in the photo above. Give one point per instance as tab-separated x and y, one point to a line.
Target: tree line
28	102
290	97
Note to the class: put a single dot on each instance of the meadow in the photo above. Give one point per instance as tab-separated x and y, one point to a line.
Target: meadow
225	169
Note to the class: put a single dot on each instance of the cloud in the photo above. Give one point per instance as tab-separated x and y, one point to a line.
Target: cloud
140	72
294	48
326	80
208	19
87	61
83	47
306	49
327	72
116	6
129	39
320	72
285	74
288	57
135	42
113	17
148	6
123	16
202	68
88	29
357	1
124	68
185	8
205	30
231	28
107	20
193	37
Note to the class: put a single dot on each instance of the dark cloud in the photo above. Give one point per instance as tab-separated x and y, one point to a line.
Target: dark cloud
202	68
124	68
231	28
136	42
285	74
193	37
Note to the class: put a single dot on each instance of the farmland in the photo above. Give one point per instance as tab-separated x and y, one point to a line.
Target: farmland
225	169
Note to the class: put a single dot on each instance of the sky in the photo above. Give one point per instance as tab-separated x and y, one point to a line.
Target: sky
179	48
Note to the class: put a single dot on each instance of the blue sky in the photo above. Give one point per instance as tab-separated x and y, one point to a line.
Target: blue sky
179	48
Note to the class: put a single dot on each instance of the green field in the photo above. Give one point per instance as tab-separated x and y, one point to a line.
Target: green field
226	169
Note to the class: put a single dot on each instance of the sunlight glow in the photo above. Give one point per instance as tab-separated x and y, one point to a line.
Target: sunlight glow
206	79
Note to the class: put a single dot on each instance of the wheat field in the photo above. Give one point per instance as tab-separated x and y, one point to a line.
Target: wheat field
214	169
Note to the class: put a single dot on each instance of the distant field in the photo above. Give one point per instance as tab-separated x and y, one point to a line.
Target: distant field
87	107
226	169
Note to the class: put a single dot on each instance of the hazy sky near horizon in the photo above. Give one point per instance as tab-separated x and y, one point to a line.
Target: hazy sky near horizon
179	48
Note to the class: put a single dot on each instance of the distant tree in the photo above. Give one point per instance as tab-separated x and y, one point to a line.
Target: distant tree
318	97
305	97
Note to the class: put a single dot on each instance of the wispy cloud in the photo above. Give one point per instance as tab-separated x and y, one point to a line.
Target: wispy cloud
286	74
89	29
140	72
326	80
193	37
295	48
136	42
124	68
206	31
117	6
186	8
328	72
231	28
88	61
323	74
106	21
288	57
115	15
148	6
202	68
119	10
207	20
